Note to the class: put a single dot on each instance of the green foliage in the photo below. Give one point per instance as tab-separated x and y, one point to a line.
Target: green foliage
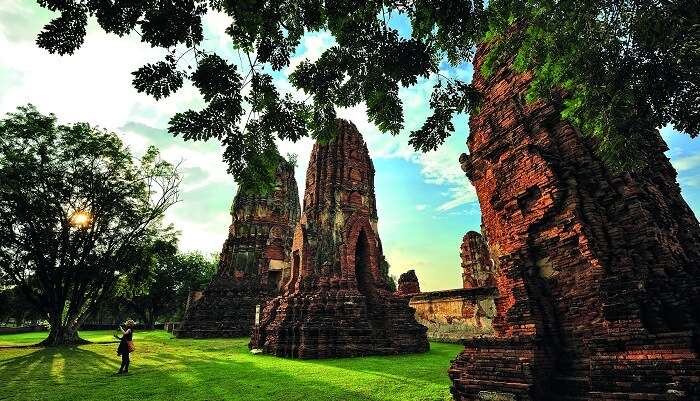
293	159
160	79
65	34
74	208
456	97
162	278
15	306
168	369
624	68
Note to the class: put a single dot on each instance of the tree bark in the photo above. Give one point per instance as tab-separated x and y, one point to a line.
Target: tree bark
149	320
63	334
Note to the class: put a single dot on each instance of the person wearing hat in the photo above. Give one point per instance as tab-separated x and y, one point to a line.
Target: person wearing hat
126	345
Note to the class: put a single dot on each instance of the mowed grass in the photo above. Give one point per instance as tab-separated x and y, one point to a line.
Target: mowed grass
26	339
168	369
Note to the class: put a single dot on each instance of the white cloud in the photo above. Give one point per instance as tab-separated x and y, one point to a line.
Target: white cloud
459	196
312	47
686	163
94	85
421	207
441	167
203	235
692	181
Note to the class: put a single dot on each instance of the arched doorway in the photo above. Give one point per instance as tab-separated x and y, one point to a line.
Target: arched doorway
363	267
365	280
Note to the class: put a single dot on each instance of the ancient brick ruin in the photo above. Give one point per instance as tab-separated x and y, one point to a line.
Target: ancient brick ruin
477	269
337	303
254	263
457	314
598	273
408	284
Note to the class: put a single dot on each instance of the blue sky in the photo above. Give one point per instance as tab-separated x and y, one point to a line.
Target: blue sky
425	203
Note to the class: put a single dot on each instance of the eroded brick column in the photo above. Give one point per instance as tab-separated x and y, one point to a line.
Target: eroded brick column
598	273
408	284
477	268
254	264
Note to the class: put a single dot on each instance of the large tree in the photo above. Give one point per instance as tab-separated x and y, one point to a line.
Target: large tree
628	66
74	209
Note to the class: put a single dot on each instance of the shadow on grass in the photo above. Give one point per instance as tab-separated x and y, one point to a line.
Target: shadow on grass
162	376
40	363
217	370
410	367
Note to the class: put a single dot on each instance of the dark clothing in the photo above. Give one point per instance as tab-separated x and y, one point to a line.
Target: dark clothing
123	346
125	363
123	349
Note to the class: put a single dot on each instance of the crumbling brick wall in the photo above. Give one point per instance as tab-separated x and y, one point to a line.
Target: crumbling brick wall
597	272
254	264
456	315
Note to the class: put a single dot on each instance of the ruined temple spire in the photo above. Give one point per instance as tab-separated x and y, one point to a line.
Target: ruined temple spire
337	302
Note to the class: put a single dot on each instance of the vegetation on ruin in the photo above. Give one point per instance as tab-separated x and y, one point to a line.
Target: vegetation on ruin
164	368
629	66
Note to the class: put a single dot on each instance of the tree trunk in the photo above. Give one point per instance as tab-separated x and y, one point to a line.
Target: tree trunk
61	334
149	320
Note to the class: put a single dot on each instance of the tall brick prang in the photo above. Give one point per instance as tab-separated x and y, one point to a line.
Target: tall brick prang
598	273
254	263
477	269
337	302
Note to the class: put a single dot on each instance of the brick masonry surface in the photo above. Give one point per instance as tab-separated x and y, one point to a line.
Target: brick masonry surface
597	272
254	263
337	302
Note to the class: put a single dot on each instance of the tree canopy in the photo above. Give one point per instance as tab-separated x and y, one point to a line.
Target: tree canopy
162	279
629	67
75	210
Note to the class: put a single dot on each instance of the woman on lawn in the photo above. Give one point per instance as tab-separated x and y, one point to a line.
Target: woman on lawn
126	345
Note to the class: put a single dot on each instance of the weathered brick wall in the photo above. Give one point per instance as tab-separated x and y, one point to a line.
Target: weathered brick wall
337	302
455	315
593	266
255	261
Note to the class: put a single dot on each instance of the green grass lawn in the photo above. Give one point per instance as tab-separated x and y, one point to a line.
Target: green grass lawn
168	369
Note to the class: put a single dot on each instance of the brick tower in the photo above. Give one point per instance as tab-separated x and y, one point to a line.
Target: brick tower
337	302
254	263
598	273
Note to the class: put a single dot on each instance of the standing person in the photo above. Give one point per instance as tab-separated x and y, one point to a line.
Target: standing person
126	345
